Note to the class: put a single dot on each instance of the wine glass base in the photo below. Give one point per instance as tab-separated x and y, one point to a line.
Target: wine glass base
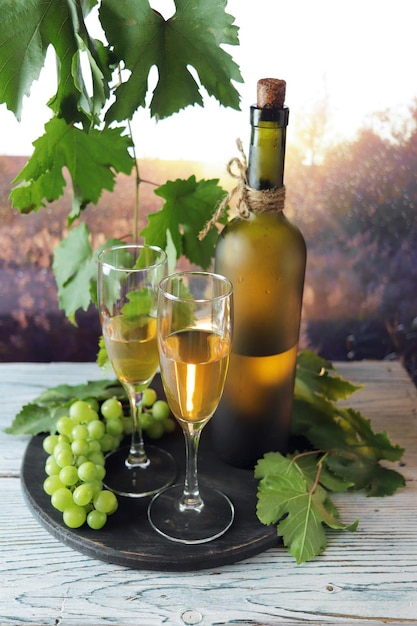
139	482
190	526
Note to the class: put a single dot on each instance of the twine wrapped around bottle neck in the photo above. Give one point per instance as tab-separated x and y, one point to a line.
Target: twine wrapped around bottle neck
249	200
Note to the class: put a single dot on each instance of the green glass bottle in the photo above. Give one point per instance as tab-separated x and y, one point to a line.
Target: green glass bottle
264	256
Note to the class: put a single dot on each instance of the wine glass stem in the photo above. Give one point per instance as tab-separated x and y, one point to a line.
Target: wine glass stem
137	456
191	499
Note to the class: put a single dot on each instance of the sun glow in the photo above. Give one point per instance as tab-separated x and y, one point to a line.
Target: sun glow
354	57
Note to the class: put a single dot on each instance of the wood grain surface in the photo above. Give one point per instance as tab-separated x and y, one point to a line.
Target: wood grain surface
365	577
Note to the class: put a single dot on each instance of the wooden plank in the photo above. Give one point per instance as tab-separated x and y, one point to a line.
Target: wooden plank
343	585
369	575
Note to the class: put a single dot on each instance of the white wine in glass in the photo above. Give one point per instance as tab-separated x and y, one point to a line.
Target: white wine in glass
195	319
128	278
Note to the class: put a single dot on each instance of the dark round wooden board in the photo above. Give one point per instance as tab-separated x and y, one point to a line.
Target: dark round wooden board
127	538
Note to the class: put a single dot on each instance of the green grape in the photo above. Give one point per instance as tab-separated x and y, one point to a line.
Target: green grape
49	443
90	416
51	484
117	441
127	425
61	499
105	501
95	446
155	430
63	439
65	425
60	447
96	485
169	425
93	404
107	442
146	420
51	466
80	460
80	431
87	471
97	458
96	429
160	410
149	397
81	411
112	408
114	426
64	458
83	494
74	516
101	472
80	447
96	519
69	475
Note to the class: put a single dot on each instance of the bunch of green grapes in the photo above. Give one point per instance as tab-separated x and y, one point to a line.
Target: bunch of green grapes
156	417
75	466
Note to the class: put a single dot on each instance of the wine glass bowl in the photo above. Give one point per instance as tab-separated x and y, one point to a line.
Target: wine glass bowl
195	317
128	277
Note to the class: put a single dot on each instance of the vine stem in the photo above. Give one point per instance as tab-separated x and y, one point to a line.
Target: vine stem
138	181
319	465
319	468
137	185
307	453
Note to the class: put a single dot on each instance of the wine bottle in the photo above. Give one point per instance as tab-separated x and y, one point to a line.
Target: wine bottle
264	255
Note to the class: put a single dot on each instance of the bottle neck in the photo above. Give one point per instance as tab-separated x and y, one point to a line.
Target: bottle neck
267	147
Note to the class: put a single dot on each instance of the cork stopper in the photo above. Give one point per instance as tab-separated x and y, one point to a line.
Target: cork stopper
271	93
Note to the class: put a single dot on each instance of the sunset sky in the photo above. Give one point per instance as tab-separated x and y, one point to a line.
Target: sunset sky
359	54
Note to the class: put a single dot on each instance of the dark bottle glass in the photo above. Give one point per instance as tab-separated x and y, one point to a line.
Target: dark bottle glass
264	256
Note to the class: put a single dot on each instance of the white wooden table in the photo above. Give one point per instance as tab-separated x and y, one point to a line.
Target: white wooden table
369	576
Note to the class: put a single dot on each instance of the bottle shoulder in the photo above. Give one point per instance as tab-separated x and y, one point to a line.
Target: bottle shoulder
261	225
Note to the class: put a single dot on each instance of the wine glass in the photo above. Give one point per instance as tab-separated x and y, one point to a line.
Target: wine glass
128	277
195	315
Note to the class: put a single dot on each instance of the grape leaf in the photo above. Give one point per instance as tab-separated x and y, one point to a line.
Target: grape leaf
189	204
286	498
293	491
28	28
41	415
92	160
317	416
355	448
316	379
142	38
103	360
366	473
61	394
34	419
75	269
309	465
141	303
361	437
316	392
316	421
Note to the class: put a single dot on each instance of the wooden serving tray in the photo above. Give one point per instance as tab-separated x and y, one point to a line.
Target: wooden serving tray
127	538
